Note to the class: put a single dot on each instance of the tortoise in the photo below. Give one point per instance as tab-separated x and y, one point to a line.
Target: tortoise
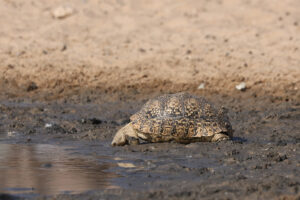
179	117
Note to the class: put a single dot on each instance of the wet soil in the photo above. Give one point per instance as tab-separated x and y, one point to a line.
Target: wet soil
261	162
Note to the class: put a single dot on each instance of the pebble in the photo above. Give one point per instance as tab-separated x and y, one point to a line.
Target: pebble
48	125
46	165
201	86
12	133
241	86
126	165
62	12
31	86
92	120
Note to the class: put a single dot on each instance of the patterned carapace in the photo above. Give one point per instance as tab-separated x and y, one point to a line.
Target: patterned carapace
180	116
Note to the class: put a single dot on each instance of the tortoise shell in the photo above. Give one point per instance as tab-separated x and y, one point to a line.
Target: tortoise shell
180	116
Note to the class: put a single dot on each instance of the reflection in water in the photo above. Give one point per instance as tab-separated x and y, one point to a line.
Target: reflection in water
49	169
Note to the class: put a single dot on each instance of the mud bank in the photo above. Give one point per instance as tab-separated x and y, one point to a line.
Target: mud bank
262	161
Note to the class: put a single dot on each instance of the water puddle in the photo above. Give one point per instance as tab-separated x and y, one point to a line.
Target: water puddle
49	169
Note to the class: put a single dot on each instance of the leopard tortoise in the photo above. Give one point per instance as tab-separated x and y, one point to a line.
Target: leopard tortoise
179	117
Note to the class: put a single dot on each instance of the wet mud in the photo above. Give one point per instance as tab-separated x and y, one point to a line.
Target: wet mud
261	162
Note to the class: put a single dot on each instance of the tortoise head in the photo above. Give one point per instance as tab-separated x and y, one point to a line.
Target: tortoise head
223	124
215	126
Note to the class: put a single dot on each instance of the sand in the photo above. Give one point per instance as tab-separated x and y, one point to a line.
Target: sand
166	46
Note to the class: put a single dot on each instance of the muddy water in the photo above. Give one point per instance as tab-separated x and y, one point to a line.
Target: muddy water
50	169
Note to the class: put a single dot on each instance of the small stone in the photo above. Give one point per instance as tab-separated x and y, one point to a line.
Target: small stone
48	125
62	12
188	51
32	86
201	86
230	161
73	130
46	165
126	165
142	50
64	47
94	121
55	128
12	133
281	158
241	86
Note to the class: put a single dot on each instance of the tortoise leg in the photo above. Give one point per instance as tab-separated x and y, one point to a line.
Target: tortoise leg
219	137
126	135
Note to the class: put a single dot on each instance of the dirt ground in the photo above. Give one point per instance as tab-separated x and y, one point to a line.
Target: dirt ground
89	71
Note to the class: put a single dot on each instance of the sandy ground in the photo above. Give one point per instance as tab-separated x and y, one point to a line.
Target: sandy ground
106	58
162	46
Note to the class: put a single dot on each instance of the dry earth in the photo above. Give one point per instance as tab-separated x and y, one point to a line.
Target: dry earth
161	46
